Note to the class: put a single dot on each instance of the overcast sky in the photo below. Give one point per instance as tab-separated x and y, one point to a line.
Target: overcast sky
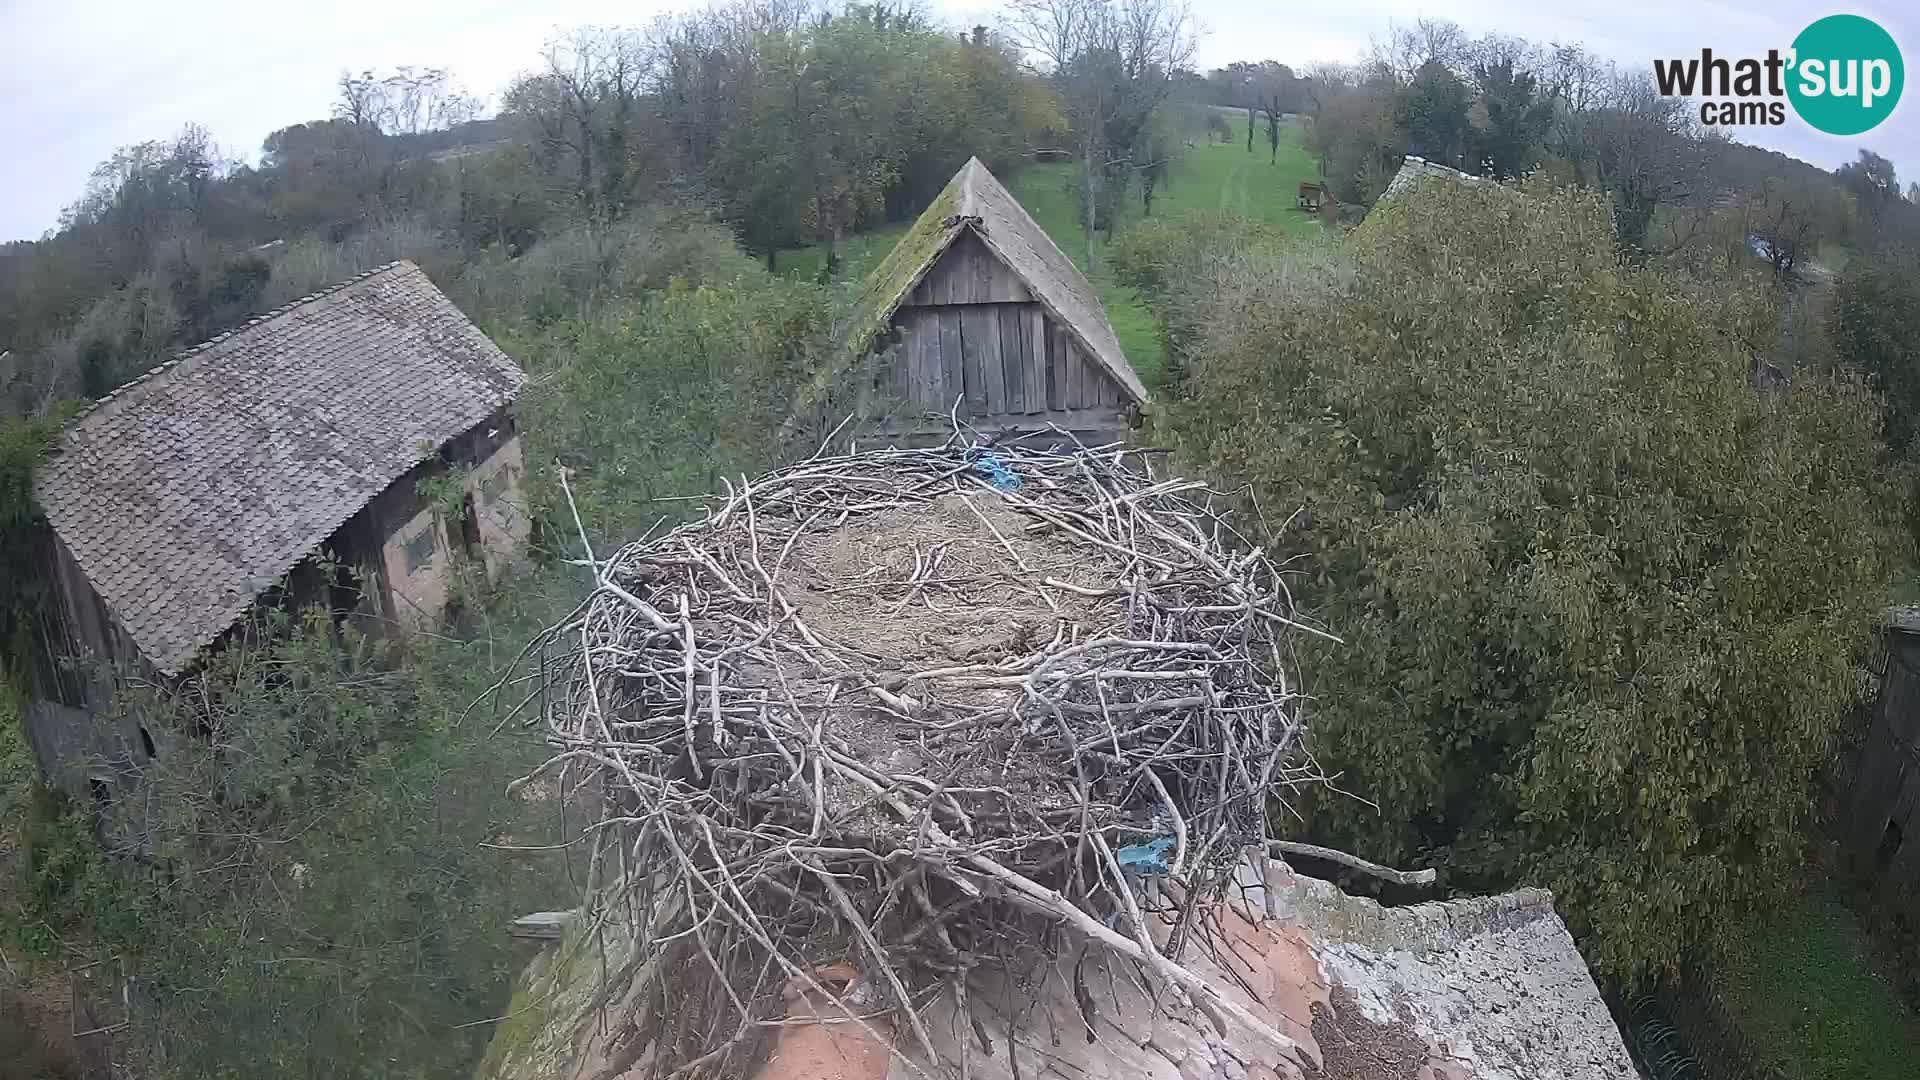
80	77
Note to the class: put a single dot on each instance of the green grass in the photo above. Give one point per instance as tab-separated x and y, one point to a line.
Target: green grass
1223	176
859	253
1209	176
1802	987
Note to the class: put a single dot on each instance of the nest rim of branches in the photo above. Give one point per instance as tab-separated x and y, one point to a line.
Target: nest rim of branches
1079	735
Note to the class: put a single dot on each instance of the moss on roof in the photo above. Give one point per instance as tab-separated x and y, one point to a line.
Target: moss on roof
896	274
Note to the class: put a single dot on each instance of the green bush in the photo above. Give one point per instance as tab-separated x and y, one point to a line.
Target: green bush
584	267
307	878
1178	264
1602	600
1875	321
662	396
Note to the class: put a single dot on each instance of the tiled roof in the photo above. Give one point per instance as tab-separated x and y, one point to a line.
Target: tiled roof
186	493
1491	988
975	199
1414	169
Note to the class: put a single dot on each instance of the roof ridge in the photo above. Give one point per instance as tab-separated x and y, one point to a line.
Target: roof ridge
176	359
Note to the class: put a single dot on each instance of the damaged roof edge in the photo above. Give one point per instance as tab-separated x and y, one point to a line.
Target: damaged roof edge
1488	988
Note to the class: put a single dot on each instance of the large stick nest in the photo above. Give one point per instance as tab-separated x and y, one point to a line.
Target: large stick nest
916	711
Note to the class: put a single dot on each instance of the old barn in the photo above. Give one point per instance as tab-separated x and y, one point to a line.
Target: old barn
977	315
283	463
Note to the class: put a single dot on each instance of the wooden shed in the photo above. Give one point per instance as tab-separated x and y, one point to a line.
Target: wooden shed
280	464
977	316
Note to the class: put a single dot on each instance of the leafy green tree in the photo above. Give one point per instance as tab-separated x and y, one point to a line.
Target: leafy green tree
1509	118
1875	324
1432	110
1601	600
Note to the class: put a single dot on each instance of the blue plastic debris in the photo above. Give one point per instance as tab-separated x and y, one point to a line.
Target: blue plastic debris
1148	859
993	470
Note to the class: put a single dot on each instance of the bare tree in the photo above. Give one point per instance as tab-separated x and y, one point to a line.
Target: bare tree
581	112
1112	63
1275	92
1407	49
408	101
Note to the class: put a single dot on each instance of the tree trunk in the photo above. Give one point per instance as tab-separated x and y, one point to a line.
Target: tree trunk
1086	172
1249	129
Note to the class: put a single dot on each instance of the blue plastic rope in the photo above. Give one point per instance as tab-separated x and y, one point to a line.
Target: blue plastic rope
993	470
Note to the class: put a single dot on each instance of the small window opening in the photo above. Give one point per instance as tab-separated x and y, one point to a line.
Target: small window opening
419	549
1889	846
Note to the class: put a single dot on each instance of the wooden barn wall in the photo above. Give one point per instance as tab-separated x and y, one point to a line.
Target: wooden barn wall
80	643
968	273
971	331
83	746
999	359
1880	831
82	652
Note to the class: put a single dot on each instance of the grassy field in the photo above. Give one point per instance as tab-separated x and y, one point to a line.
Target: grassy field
1210	176
1803	988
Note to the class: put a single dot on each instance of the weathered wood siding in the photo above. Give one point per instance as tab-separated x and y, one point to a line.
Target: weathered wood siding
1881	822
81	652
968	273
1001	359
971	332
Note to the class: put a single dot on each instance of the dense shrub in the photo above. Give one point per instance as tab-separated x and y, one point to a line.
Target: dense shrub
309	879
1180	263
662	396
1876	329
585	266
1602	599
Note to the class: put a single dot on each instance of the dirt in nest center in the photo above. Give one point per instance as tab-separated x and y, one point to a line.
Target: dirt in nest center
931	584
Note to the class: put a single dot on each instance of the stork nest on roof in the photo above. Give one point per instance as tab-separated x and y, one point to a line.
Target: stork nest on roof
920	711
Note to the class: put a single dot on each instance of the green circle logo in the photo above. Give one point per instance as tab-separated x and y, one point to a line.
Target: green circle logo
1846	75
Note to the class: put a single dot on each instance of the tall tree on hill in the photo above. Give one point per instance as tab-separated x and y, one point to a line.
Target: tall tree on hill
580	114
1509	118
1353	131
1644	150
1112	62
1432	110
1407	50
1876	187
